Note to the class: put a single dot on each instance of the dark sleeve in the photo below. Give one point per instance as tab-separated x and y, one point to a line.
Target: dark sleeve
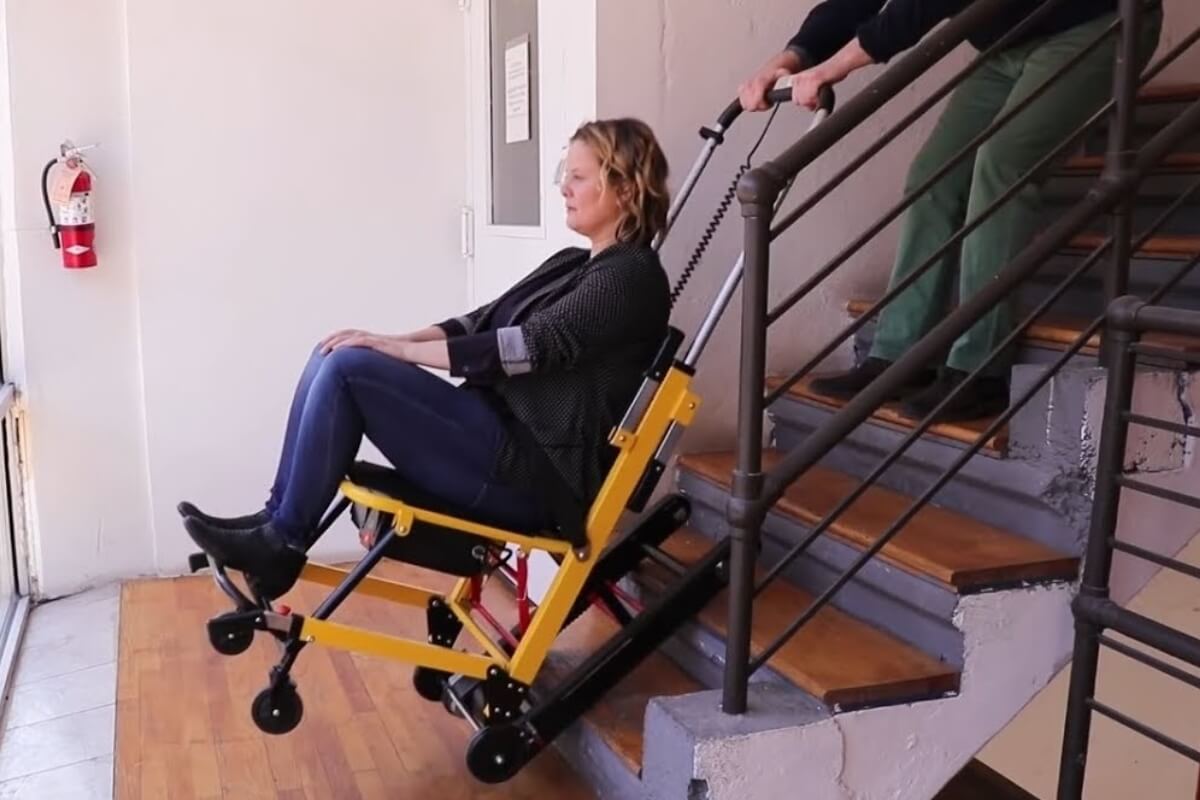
476	356
461	326
830	26
468	323
902	24
618	303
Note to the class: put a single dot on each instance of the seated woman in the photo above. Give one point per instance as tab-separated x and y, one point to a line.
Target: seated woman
549	369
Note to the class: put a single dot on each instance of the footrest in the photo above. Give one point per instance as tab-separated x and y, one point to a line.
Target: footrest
198	561
237	622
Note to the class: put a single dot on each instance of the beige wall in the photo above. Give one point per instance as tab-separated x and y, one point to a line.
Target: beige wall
1122	765
677	63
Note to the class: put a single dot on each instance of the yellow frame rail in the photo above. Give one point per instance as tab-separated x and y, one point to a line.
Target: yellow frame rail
672	403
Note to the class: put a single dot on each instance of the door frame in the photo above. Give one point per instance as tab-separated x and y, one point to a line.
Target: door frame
567	34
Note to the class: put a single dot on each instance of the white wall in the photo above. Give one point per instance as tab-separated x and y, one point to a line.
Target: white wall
269	171
298	168
71	339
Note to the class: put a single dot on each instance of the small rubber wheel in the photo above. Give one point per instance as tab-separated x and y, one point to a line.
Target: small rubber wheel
429	683
448	704
497	753
230	643
470	693
277	711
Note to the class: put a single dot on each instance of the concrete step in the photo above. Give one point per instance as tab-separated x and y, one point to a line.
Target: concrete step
1152	266
911	590
1039	499
1052	333
1158	106
1178	174
837	659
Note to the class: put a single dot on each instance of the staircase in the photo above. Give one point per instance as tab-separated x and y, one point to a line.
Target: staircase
930	649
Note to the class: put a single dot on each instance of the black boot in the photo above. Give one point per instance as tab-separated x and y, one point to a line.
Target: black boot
981	398
262	553
186	509
845	385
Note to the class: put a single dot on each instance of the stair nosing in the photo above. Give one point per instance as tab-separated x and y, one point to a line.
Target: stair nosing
1167	93
1054	566
942	678
996	446
1173	164
1062	334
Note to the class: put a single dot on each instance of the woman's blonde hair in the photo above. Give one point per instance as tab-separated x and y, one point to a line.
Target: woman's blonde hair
633	165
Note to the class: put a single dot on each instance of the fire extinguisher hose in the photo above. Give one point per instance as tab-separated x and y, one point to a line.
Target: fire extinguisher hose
46	201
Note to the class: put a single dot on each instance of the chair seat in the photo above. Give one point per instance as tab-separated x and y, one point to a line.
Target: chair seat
388	481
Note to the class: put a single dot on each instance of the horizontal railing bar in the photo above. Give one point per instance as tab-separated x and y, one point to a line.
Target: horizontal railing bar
1145	730
1154	558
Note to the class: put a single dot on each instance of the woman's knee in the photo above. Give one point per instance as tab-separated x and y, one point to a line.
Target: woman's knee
349	363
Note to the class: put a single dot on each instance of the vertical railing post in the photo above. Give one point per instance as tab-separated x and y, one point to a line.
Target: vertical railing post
1120	156
1097	565
757	192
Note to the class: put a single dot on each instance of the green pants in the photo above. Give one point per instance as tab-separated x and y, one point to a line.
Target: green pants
997	86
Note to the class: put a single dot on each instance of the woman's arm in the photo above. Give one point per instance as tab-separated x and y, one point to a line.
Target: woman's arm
428	352
430	334
617	304
343	338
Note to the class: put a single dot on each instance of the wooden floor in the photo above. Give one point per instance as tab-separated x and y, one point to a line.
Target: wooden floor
183	712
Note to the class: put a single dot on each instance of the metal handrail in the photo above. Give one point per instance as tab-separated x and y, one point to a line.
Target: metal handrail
755	490
981	440
1095	611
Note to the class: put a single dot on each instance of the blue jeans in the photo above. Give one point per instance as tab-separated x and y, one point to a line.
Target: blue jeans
442	439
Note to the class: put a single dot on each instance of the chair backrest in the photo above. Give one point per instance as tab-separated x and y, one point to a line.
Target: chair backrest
662	408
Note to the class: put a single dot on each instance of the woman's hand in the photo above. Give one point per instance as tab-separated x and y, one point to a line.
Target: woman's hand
330	342
394	346
429	353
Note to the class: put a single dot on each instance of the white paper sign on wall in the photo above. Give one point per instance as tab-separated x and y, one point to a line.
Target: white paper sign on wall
516	90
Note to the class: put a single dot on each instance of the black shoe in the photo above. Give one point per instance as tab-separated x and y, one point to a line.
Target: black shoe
845	385
983	397
261	553
254	520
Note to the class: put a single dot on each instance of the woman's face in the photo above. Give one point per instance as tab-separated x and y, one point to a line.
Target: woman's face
592	209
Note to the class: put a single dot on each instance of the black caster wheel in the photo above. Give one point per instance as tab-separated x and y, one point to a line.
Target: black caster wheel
451	707
497	753
429	683
277	711
468	691
230	643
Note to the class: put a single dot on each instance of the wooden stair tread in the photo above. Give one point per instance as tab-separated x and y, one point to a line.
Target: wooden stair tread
1177	247
1173	163
1063	331
619	716
1060	331
836	658
965	432
957	551
1169	93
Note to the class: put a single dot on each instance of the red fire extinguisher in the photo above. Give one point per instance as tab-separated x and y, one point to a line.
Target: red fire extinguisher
72	228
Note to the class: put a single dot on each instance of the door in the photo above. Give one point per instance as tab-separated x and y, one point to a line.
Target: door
531	81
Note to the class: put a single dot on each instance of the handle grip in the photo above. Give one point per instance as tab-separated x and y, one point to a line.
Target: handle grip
826	96
826	99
